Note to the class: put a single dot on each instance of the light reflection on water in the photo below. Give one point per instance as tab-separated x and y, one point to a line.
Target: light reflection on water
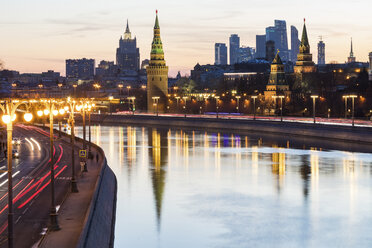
182	188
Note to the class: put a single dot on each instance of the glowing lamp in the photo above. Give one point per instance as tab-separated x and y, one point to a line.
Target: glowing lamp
62	111
6	119
28	117
55	112
46	112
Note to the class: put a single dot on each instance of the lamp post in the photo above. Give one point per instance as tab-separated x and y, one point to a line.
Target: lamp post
74	86
184	106
132	100
83	108
72	104
155	100
254	106
217	99
237	103
314	97
352	106
9	107
345	97
120	88
128	88
177	98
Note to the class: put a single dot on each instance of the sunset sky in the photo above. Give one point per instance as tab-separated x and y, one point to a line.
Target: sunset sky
39	35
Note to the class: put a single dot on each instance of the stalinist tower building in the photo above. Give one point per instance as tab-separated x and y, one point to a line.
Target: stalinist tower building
157	74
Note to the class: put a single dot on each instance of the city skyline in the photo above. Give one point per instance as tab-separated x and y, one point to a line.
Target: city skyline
36	41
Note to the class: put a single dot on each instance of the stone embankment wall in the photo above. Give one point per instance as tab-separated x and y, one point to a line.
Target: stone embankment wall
330	132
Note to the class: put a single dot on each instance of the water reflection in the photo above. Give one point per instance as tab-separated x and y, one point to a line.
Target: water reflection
158	151
190	188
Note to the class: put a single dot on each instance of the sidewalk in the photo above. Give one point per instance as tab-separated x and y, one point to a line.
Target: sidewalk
72	213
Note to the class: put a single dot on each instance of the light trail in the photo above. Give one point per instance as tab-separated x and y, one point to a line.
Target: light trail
1	184
37	143
32	145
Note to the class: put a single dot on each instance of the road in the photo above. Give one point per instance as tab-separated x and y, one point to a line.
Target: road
31	184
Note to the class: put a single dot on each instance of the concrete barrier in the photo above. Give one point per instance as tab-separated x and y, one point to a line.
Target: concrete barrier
319	131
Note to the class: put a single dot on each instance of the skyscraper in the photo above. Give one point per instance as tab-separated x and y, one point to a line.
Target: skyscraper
270	50
157	74
234	48
127	55
278	34
351	58
370	66
260	46
321	53
220	54
304	62
80	68
295	44
245	54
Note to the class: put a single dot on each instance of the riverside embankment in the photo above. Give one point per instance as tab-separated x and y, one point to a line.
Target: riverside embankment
87	218
309	130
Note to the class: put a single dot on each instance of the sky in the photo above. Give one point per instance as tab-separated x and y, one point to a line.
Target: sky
39	35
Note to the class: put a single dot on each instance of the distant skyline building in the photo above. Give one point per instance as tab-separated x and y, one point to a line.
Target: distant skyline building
260	46
128	55
295	44
370	66
270	50
245	54
351	58
107	69
234	48
220	54
80	68
321	53
157	74
278	34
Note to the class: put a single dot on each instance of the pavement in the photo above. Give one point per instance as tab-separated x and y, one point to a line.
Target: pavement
31	189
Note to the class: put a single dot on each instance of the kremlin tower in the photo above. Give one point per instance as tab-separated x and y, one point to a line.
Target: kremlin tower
157	74
304	62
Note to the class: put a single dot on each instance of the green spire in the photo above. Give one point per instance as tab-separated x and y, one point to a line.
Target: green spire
157	26
304	39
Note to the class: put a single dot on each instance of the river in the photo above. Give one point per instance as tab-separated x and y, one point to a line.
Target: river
190	188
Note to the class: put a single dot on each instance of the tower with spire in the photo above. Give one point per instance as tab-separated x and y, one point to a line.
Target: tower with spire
277	85
128	55
304	63
351	58
157	74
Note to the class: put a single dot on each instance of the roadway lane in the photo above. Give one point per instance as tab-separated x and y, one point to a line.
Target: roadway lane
31	185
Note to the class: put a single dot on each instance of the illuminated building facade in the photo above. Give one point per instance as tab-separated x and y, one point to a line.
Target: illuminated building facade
277	85
157	74
127	55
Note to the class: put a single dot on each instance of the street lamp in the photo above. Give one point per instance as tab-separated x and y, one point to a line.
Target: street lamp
345	97
155	100
177	98
9	108
352	104
184	106
128	88
71	121
217	99
50	105
254	106
120	88
314	97
237	103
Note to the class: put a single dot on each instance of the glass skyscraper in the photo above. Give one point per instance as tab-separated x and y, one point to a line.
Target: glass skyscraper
321	53
234	48
220	54
295	44
260	46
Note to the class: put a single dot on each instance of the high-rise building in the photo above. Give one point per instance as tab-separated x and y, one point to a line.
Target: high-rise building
370	66
157	74
278	34
321	53
295	44
245	54
351	57
220	54
260	46
234	48
127	55
80	68
270	50
304	62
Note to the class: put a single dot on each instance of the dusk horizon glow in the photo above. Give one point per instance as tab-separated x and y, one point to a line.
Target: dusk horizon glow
39	36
